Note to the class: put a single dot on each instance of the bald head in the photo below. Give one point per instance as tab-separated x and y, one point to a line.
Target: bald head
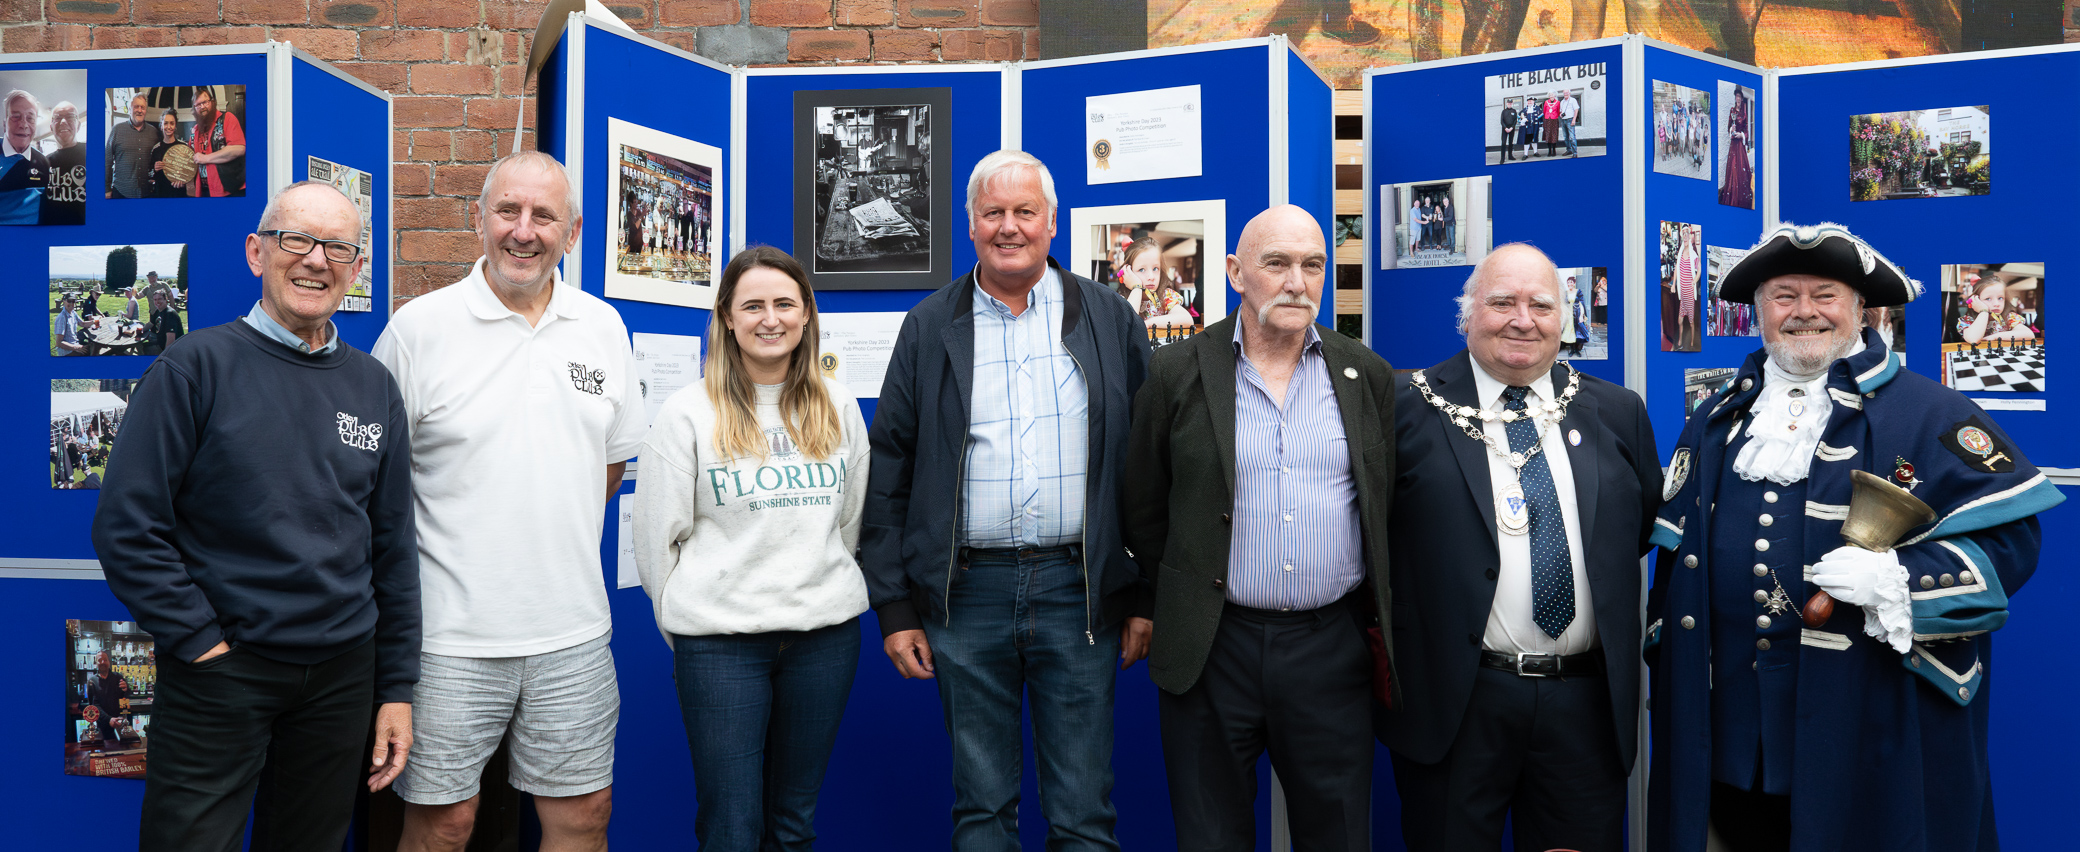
1513	261
1285	220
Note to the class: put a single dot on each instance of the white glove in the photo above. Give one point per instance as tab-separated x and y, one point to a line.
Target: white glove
1878	583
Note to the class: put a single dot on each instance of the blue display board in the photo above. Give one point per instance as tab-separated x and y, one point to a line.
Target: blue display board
1672	194
45	551
2023	219
1431	126
1251	159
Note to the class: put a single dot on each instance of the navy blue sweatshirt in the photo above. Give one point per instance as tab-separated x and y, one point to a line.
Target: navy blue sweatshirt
262	496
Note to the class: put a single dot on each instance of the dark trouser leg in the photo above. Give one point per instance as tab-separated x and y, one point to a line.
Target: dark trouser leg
210	730
314	758
1459	802
809	692
1070	671
1318	696
1571	794
981	688
1751	822
726	697
1212	737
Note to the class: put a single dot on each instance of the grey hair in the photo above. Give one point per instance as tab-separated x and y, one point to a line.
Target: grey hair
999	162
8	102
1473	283
274	205
65	106
540	160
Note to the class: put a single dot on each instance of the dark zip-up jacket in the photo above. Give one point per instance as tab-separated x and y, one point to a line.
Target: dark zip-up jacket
920	436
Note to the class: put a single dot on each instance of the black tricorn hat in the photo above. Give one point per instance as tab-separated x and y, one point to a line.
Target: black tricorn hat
1826	250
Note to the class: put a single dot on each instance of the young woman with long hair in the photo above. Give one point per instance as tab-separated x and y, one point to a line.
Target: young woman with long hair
746	522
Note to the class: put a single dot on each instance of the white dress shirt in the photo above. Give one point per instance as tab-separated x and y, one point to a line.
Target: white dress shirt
1511	629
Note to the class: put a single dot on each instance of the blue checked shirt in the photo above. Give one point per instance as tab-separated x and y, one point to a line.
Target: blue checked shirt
1029	432
1295	544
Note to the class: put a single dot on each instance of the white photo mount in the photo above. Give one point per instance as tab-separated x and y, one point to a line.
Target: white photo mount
619	285
1214	287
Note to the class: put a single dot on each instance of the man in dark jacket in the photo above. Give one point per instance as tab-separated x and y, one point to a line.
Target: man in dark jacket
992	547
1263	472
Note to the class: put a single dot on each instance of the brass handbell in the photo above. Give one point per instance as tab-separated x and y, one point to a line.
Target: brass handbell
1879	514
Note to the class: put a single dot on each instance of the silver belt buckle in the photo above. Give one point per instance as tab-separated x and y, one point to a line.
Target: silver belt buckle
1520	664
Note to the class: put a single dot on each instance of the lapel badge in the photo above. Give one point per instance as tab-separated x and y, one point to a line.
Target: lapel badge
1574	437
1905	473
1350	372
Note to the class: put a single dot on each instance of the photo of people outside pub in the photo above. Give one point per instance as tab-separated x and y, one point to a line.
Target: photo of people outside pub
1921	153
1682	131
109	682
1547	114
1436	223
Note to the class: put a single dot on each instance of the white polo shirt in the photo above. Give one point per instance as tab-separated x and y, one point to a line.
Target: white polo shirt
512	430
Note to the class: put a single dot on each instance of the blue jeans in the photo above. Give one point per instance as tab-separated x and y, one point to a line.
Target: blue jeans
1020	624
1567	131
762	712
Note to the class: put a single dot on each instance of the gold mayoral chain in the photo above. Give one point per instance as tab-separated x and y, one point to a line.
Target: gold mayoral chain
1512	511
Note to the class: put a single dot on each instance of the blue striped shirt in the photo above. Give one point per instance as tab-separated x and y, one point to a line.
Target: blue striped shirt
1295	540
1029	432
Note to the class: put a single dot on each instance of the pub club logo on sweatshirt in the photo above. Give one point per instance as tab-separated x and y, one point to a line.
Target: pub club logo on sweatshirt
784	480
361	437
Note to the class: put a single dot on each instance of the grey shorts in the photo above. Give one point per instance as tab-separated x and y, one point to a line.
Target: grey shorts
561	709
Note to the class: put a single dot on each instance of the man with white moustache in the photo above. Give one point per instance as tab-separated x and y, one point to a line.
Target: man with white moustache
524	408
1860	708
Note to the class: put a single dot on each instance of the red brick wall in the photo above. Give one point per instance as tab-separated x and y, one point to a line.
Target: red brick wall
455	67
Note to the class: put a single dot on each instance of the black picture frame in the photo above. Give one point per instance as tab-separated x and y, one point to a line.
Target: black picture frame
900	262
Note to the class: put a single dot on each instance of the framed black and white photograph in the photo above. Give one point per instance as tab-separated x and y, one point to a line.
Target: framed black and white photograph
1546	114
664	198
43	166
874	204
1167	260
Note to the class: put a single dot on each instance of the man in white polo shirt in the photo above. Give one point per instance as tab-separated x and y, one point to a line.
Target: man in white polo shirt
523	404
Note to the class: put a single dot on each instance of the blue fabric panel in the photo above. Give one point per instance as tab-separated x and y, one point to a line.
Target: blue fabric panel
1682	199
1430	125
51	524
621	80
338	121
769	144
2022	220
1311	162
1235	161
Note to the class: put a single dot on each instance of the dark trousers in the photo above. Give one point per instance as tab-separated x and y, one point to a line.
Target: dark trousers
1543	750
762	713
239	722
1298	684
1751	821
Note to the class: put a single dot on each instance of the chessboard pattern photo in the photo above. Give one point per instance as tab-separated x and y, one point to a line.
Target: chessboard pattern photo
2008	368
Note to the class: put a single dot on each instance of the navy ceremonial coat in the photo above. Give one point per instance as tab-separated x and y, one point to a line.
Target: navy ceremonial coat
1888	751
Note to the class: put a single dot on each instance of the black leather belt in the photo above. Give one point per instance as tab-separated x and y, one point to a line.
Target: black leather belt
1545	665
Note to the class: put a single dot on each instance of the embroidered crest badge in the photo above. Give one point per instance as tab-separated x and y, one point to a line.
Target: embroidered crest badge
1678	473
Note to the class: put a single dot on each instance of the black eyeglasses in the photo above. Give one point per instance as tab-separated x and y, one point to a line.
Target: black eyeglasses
298	242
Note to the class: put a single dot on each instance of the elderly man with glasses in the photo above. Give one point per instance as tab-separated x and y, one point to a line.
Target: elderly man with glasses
257	521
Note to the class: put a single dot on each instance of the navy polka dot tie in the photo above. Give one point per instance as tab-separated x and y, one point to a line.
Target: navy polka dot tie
1552	569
